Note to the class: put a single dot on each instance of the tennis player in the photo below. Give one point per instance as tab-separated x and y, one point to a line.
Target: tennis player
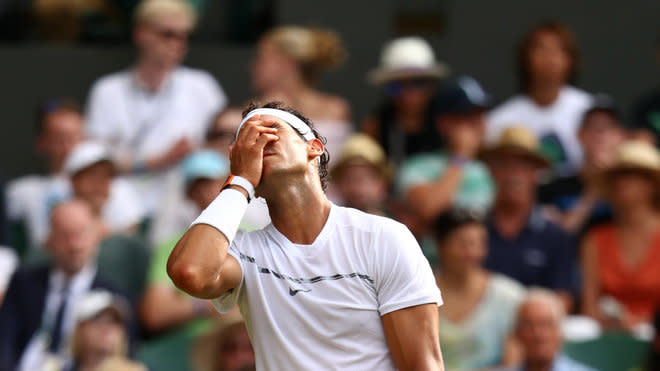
322	287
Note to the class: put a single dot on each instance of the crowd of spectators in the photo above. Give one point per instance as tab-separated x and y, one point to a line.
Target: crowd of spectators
544	206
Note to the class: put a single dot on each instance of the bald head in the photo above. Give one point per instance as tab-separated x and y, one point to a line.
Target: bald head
538	325
74	235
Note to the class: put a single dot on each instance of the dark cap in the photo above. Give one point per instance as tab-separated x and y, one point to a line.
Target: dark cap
602	103
463	94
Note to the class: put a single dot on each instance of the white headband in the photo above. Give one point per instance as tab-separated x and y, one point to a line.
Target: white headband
289	118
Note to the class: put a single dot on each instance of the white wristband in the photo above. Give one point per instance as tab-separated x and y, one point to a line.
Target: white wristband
241	182
225	213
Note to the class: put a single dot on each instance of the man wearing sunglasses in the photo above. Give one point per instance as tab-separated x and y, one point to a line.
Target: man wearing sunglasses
155	112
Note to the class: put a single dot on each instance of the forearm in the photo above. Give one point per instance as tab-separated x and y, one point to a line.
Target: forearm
198	264
163	307
429	200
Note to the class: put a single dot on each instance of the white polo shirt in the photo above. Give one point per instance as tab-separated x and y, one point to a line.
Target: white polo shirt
139	125
319	306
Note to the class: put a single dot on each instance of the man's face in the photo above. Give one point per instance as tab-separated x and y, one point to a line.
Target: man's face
287	155
165	39
600	135
92	184
539	331
362	186
514	176
62	130
73	237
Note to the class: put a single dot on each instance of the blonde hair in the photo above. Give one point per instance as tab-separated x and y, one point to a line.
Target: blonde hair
148	10
315	50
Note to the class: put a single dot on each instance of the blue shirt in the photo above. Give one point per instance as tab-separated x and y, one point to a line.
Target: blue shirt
542	254
563	363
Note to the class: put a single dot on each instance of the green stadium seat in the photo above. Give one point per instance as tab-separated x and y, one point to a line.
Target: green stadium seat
124	261
169	352
613	351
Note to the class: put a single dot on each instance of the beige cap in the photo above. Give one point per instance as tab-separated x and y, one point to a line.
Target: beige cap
361	149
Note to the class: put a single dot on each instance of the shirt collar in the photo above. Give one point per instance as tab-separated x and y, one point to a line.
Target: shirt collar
80	281
536	221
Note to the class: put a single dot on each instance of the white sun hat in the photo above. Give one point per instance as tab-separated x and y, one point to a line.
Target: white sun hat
84	155
407	57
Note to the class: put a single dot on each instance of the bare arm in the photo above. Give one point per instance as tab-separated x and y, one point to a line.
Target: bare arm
412	336
164	307
590	285
429	200
199	263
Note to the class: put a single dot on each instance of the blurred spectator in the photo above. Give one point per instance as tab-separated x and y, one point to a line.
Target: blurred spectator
59	127
227	348
576	201
547	106
538	330
222	131
362	175
621	279
112	200
477	317
36	319
155	112
408	75
8	264
101	333
163	305
523	243
289	62
432	182
646	112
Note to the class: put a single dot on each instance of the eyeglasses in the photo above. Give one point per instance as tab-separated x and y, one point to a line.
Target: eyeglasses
396	87
171	34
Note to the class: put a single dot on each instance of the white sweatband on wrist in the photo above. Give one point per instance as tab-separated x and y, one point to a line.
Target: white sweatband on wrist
241	182
225	213
291	119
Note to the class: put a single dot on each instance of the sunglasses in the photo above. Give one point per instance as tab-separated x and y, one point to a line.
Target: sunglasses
171	34
396	87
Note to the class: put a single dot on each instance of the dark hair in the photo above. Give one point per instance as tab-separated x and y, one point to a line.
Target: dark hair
325	157
453	219
50	106
568	43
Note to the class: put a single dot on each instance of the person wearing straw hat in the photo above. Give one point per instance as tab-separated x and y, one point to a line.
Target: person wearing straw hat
620	258
408	75
226	348
322	286
523	243
362	175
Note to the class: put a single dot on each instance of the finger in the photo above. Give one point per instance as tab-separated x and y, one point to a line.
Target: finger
253	132
264	139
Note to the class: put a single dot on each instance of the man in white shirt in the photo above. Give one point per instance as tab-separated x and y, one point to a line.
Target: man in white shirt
155	112
322	287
